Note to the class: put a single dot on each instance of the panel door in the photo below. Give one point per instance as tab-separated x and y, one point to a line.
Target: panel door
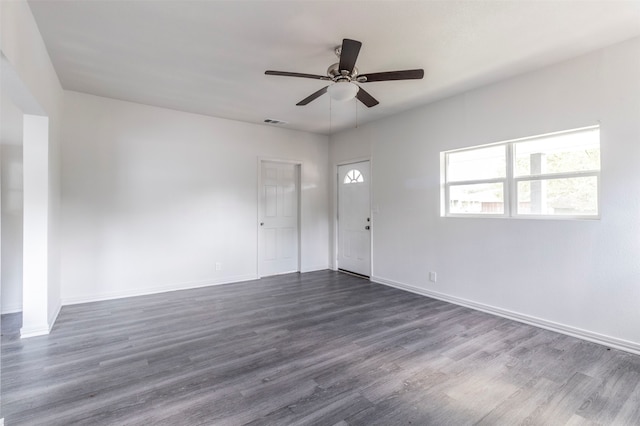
354	218
278	251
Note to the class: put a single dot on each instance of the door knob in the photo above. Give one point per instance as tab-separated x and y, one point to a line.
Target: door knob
261	223
367	227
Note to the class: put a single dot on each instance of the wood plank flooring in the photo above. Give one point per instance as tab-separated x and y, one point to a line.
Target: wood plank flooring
321	348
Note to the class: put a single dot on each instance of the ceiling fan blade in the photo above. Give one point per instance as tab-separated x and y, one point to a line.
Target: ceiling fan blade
313	96
297	74
364	97
349	54
392	75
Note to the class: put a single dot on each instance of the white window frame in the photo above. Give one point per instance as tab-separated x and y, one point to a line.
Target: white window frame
510	182
448	185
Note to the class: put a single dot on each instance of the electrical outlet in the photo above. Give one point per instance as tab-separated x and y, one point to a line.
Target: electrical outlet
433	277
218	266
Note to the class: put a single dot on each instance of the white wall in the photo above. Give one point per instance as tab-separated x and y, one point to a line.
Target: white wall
152	198
11	224
578	276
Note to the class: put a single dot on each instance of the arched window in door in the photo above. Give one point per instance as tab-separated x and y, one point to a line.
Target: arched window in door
353	176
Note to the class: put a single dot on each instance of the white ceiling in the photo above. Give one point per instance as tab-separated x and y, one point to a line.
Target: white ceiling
209	57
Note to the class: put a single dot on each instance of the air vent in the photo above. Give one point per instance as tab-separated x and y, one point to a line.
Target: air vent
272	121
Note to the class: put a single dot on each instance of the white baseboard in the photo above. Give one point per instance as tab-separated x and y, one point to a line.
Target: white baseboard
53	317
11	310
42	330
34	331
613	342
143	292
314	268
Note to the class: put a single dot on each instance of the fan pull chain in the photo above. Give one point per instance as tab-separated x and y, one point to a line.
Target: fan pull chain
330	128
355	100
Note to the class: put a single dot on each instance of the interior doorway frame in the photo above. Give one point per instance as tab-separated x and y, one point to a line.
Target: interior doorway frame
40	308
299	166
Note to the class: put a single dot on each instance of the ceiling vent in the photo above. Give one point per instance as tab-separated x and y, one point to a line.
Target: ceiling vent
272	121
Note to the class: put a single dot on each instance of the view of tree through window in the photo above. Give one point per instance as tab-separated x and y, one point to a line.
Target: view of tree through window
551	175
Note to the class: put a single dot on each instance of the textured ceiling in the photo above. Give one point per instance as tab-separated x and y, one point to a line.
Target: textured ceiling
209	57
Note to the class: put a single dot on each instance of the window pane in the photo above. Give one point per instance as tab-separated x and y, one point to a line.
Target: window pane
482	163
571	196
480	198
353	176
569	152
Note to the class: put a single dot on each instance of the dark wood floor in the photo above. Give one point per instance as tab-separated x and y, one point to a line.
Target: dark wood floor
319	348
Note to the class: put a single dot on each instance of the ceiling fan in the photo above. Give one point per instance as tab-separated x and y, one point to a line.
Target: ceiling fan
344	75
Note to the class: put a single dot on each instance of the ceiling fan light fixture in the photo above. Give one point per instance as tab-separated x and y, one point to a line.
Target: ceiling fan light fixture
343	91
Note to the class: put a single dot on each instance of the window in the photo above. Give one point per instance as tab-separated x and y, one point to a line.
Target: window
353	176
543	176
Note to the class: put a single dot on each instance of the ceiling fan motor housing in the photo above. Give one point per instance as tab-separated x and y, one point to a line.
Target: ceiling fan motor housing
336	75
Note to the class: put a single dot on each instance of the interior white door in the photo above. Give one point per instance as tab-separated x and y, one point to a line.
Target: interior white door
278	251
354	218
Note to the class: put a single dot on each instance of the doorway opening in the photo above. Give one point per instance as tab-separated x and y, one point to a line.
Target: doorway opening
33	201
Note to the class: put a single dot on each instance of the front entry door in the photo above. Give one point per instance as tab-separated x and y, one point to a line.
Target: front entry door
354	218
278	216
